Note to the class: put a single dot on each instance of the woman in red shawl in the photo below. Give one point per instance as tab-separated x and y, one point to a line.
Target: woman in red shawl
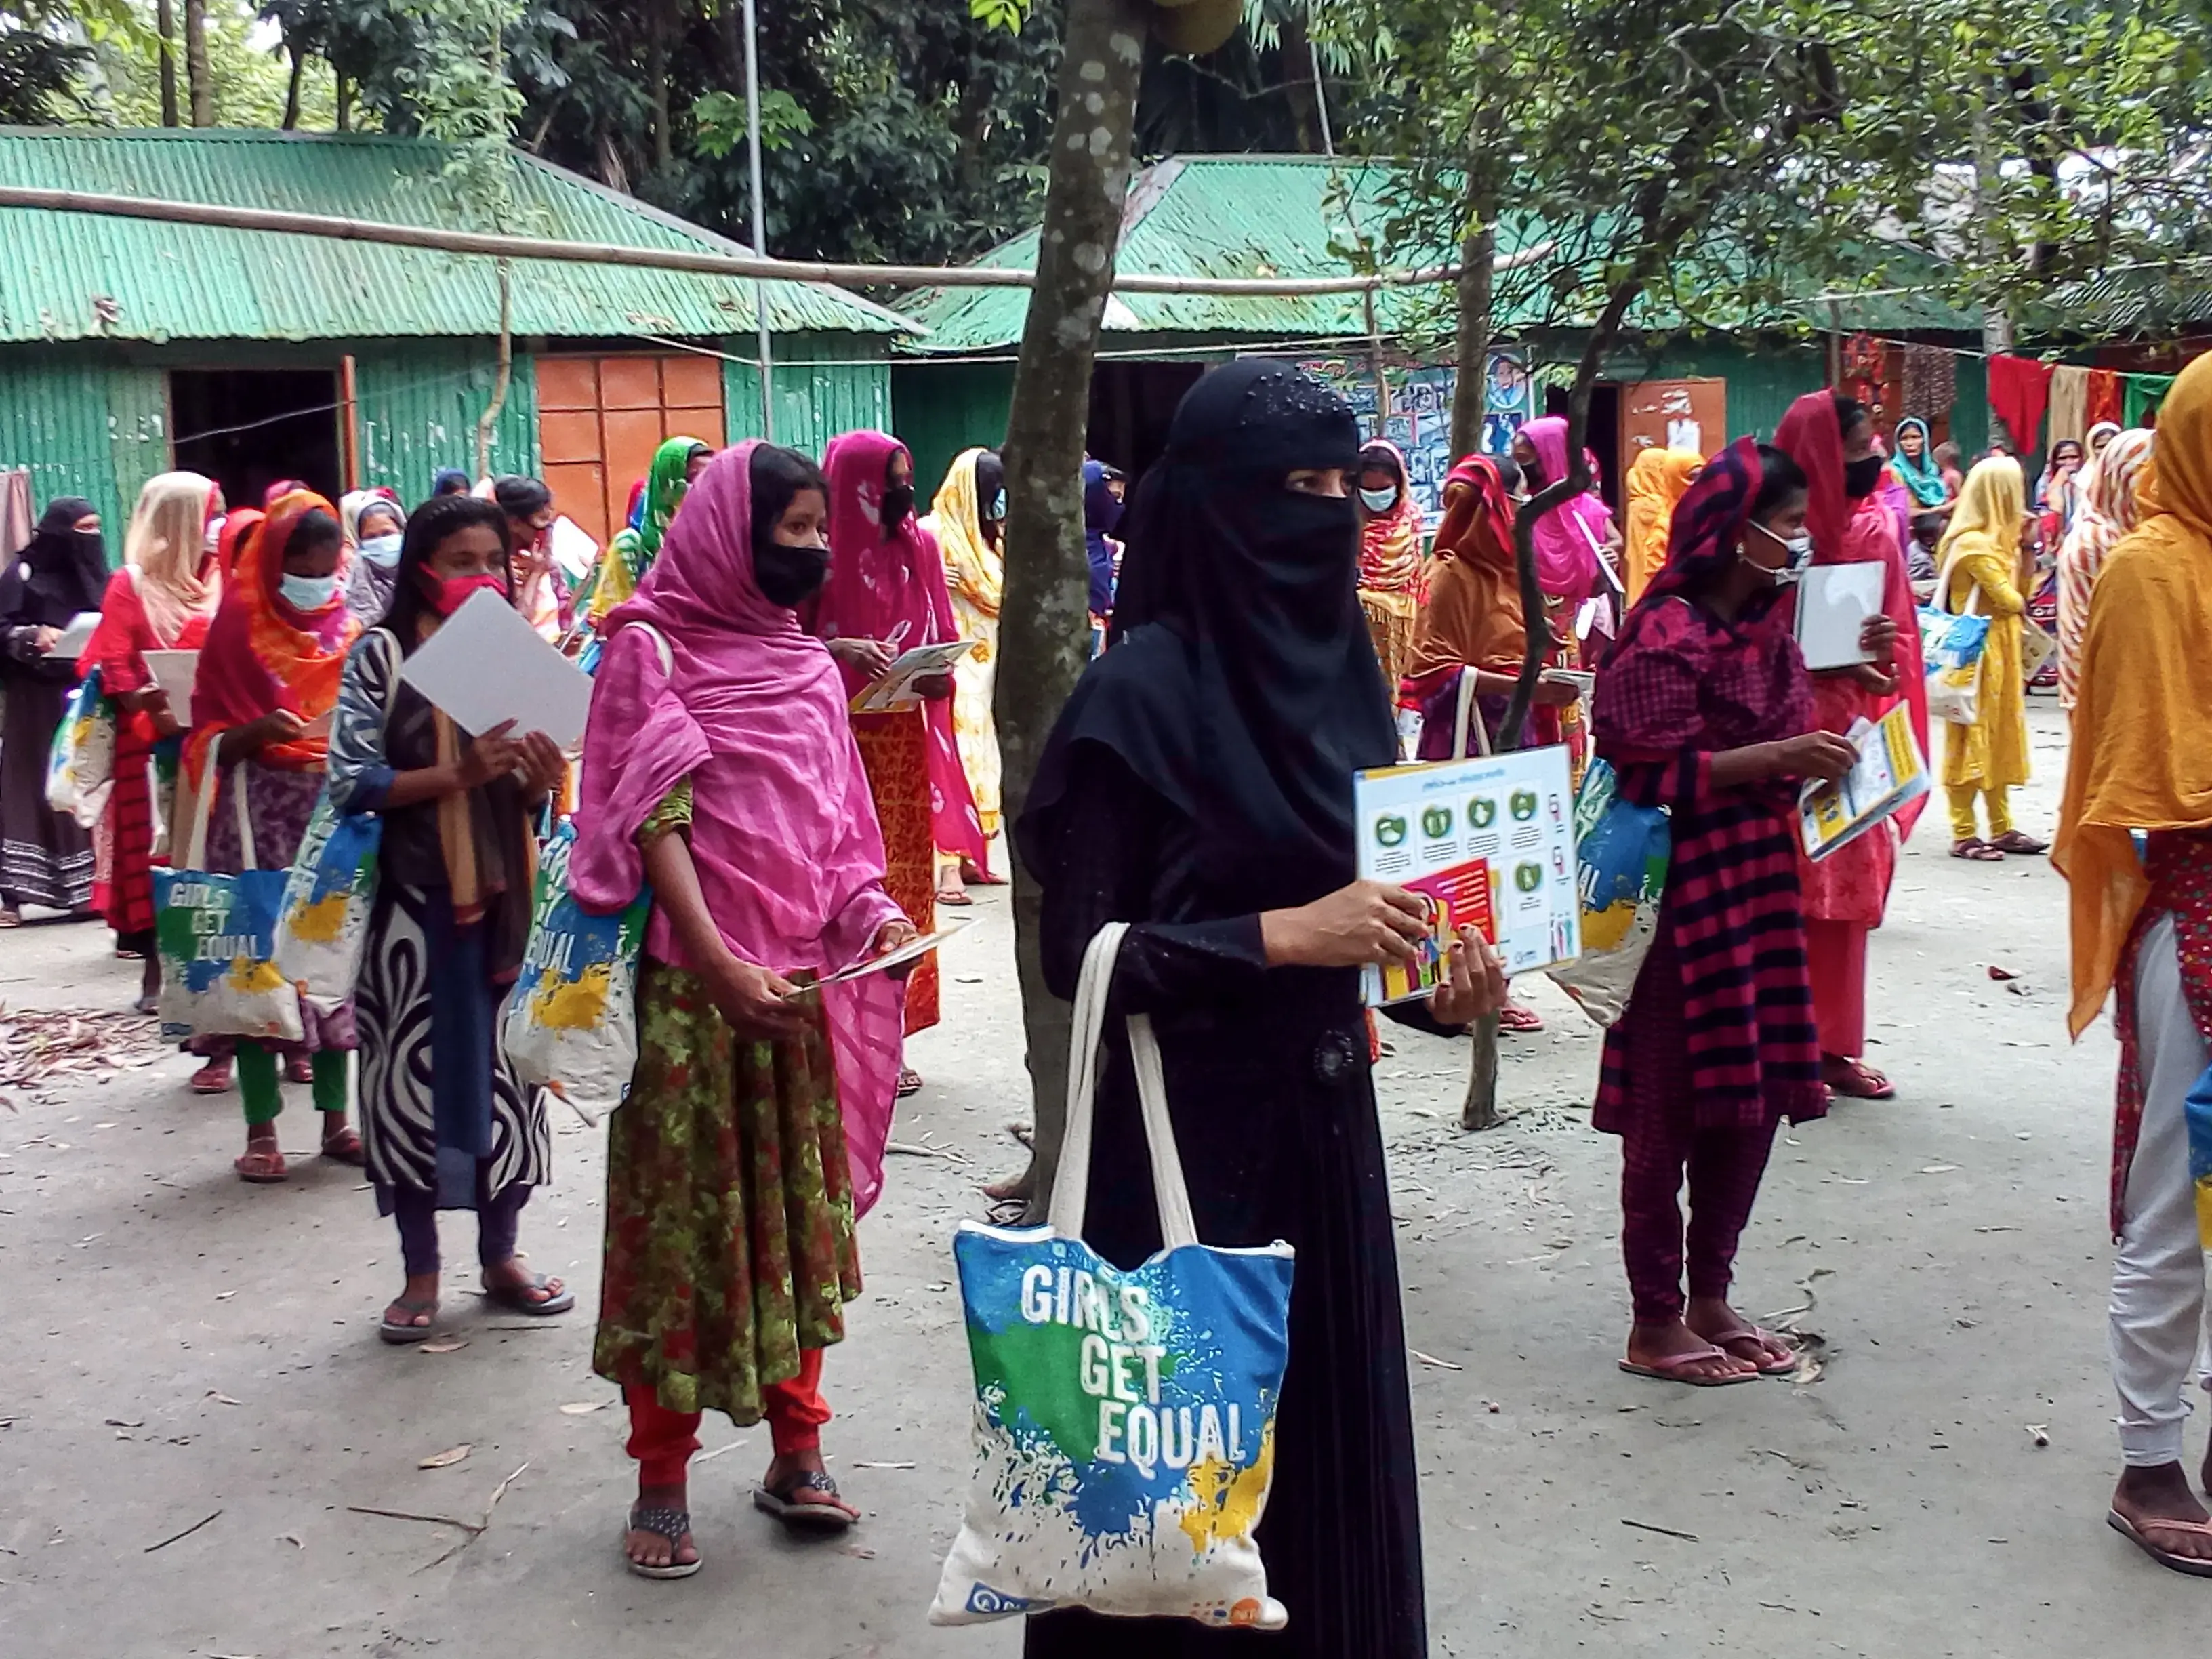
1830	437
162	600
886	594
1705	707
268	675
1390	575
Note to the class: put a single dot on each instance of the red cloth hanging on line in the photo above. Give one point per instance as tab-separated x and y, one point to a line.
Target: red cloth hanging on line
2019	389
2104	398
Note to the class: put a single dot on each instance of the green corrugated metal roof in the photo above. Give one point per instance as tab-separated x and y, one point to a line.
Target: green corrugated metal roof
59	272
1273	215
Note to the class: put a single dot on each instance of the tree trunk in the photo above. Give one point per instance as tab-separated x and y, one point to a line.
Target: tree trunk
656	80
341	121
1480	1110
1043	626
489	418
291	122
1302	88
165	25
1478	281
199	80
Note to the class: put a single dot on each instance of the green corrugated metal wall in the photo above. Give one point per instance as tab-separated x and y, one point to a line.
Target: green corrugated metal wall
825	384
418	402
937	410
86	423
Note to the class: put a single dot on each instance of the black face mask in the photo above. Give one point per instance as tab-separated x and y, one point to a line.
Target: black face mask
1862	477
898	501
789	576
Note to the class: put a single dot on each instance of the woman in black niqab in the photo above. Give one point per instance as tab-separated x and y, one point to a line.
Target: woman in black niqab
1198	786
45	857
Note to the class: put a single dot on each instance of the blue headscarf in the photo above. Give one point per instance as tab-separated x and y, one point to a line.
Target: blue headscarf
1921	478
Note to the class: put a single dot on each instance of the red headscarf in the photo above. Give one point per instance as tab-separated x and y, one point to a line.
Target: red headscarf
263	653
1473	616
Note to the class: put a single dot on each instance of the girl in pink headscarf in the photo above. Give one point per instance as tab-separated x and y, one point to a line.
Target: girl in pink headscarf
753	1132
886	594
1573	538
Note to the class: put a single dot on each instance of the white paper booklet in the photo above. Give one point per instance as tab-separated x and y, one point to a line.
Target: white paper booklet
1833	602
486	664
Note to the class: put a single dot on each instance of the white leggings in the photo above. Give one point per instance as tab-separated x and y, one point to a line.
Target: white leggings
2158	1279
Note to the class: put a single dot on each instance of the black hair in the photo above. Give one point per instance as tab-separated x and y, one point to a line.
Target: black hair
778	476
1779	479
315	530
428	528
1928	527
990	482
1375	457
1849	412
518	497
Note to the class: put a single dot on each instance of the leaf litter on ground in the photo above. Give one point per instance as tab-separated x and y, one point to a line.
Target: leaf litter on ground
42	1048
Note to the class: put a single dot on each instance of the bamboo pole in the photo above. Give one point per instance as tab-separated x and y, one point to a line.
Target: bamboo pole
487	246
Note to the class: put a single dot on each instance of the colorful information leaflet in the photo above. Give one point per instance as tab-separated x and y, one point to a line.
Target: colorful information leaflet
1490	841
1891	772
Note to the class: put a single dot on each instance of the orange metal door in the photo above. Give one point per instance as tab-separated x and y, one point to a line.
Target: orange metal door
600	419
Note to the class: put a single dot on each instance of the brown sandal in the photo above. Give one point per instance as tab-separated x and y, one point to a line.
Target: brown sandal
1978	850
345	1147
2015	840
262	1168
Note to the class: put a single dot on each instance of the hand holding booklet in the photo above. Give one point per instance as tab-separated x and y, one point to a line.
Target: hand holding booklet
894	689
1890	773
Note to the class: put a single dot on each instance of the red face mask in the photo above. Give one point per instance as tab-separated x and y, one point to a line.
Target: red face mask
448	594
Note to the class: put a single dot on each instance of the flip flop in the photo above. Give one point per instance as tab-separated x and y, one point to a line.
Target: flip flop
1675	1369
345	1147
909	1082
512	1296
804	1517
1978	850
404	1334
1862	1081
2015	840
662	1521
1515	1018
955	896
1777	1367
2127	1529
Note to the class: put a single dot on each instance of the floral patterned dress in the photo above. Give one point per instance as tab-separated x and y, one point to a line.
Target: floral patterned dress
730	1246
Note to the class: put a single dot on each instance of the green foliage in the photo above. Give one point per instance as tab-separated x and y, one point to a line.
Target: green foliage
718	122
40	70
459	91
251	77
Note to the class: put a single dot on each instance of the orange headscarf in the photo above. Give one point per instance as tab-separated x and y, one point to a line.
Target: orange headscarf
1473	616
2142	749
1656	484
263	655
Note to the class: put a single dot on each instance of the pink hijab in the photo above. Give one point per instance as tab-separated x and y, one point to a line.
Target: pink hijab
783	831
1567	539
887	582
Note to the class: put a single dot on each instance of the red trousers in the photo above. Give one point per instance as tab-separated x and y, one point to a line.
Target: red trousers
1836	952
663	1441
1724	1168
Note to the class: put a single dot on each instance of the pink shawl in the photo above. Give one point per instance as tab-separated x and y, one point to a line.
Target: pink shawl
783	831
887	583
1567	539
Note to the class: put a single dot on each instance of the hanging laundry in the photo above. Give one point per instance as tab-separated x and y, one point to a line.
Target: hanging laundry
2069	404
2141	394
2106	403
1931	382
16	520
2019	389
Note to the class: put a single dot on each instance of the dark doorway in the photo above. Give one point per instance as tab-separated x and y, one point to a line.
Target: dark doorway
1131	405
248	428
1603	436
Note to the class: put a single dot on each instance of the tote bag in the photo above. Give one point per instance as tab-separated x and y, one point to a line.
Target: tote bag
1951	649
571	1025
1621	853
81	763
217	936
329	893
1124	1423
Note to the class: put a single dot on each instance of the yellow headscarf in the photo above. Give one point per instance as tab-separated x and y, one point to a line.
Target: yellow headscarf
1992	505
2142	749
1656	484
974	568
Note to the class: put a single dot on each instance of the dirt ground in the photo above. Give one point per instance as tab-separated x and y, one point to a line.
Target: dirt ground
180	1345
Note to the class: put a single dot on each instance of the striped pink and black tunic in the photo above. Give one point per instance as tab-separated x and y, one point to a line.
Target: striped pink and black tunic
1720	1026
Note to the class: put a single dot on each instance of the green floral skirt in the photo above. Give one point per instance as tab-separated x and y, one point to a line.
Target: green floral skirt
729	1223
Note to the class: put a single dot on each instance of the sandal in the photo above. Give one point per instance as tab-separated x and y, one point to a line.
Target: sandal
1977	849
955	896
10	917
262	1168
975	877
1774	1365
1515	1018
1855	1080
661	1521
909	1082
345	1147
518	1297
299	1068
426	1307
778	1501
2014	841
2189	1565
214	1077
1676	1370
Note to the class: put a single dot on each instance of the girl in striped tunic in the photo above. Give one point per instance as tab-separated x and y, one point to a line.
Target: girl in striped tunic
1705	708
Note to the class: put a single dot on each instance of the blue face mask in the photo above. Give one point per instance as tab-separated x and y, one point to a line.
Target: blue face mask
382	552
1379	500
308	592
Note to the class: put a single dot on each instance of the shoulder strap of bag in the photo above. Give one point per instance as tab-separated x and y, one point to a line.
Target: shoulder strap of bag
660	643
1071	1189
391	660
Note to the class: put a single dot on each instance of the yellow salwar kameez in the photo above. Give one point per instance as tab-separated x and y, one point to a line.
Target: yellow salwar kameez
1981	557
1657	482
974	571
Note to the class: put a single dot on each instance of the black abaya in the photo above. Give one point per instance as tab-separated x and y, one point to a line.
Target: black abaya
1269	1086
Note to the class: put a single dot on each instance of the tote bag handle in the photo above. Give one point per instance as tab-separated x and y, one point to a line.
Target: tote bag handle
1086	1048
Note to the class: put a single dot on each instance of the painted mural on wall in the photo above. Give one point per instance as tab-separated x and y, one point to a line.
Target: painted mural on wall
1418	419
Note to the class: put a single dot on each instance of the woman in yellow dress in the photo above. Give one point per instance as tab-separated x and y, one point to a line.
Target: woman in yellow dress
967	517
1655	483
1980	556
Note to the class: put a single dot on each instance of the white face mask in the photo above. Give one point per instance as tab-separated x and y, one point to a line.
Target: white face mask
382	552
308	592
1379	500
1799	547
